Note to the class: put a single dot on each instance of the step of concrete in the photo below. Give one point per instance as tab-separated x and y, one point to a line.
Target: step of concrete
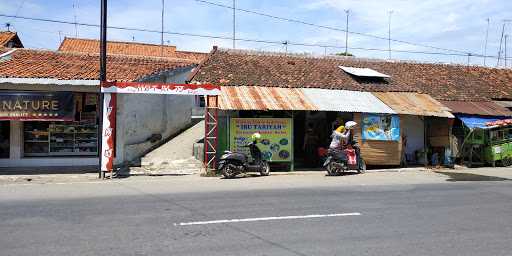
177	154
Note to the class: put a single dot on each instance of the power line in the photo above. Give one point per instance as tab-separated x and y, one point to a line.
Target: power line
330	28
242	39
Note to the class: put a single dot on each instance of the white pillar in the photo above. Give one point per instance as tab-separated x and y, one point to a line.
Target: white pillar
16	140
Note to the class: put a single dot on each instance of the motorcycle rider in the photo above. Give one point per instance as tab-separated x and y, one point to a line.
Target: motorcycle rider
341	138
253	147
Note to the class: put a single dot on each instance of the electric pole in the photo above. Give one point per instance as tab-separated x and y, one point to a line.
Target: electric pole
501	41
103	78
486	38
389	33
162	32
346	33
234	24
506	36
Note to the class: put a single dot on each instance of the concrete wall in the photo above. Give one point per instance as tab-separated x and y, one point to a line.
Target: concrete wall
413	127
139	117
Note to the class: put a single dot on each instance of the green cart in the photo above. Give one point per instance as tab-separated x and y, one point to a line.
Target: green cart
488	146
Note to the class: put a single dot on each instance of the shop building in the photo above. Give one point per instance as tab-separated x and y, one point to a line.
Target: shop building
313	95
49	107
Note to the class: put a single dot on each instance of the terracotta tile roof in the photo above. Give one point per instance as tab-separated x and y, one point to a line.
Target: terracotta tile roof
441	81
8	36
128	48
25	63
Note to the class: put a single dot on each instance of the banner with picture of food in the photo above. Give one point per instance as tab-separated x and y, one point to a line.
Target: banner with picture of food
381	127
276	137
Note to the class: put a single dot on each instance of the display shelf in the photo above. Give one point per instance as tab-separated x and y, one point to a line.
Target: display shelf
62	140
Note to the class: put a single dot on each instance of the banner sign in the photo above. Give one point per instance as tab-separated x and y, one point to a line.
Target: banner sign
108	132
276	137
160	88
37	106
380	127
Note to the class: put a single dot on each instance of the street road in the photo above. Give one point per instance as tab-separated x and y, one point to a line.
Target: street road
150	218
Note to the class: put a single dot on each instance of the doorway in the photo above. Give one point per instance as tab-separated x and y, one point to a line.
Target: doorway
5	131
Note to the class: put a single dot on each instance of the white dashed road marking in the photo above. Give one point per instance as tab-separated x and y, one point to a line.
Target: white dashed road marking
268	218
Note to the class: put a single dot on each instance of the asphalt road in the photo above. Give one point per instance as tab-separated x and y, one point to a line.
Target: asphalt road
468	218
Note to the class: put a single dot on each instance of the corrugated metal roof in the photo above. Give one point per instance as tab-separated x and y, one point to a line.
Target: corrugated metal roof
346	101
484	108
409	103
364	72
507	104
263	98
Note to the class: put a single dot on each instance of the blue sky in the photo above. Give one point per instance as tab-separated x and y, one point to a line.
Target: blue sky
454	24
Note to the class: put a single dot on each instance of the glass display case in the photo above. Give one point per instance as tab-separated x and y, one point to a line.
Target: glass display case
60	139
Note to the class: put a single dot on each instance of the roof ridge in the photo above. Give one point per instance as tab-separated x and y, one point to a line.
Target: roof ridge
76	53
307	55
115	41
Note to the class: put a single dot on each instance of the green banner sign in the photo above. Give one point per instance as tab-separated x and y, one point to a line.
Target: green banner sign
276	137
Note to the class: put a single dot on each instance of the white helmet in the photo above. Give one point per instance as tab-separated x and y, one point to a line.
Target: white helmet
256	136
350	125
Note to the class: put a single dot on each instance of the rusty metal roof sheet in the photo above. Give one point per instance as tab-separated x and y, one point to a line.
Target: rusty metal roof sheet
263	98
483	108
346	101
409	103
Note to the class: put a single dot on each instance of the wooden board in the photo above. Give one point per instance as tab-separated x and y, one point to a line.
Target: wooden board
376	152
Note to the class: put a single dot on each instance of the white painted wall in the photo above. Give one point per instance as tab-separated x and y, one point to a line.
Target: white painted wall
140	116
413	128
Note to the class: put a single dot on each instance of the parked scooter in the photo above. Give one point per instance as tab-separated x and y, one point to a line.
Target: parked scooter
339	162
234	163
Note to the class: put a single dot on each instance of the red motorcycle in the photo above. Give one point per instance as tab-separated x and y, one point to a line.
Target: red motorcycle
338	162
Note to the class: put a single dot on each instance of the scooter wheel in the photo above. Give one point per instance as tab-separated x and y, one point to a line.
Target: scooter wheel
362	169
331	169
265	169
228	171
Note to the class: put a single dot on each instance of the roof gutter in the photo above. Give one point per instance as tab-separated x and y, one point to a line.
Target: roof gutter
48	81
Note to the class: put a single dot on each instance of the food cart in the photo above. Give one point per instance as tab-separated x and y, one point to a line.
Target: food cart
489	143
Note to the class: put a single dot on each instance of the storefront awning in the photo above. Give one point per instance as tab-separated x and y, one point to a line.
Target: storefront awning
482	108
480	122
276	98
409	103
263	98
346	101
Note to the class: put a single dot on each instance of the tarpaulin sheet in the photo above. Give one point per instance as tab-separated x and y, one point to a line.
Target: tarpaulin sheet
473	122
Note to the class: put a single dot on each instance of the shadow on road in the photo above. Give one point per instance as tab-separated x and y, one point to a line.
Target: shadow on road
457	176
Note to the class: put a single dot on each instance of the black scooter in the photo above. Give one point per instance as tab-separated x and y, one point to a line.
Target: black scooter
233	163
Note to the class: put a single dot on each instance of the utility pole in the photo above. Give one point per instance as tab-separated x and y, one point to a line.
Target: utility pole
76	23
162	32
501	41
103	78
389	33
346	33
506	36
285	43
60	36
234	24
486	38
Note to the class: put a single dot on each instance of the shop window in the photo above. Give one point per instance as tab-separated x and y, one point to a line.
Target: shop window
71	138
4	139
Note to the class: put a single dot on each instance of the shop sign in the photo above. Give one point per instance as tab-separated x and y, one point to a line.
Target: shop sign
37	106
380	127
276	137
160	88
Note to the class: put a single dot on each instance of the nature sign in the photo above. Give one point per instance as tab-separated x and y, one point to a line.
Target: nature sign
276	137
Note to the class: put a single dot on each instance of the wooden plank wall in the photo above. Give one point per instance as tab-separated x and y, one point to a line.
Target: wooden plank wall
378	152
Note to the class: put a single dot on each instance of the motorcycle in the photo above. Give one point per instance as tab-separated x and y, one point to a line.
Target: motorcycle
339	162
233	163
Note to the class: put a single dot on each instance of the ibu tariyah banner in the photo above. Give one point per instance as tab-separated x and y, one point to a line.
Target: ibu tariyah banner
276	137
380	127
